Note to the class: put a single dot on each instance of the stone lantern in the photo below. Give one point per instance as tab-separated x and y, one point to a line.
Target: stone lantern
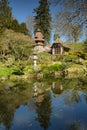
35	60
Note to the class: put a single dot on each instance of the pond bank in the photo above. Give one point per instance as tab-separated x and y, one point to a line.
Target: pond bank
69	73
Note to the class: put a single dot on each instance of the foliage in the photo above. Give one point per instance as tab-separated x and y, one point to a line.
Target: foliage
76	46
19	27
23	29
48	70
56	67
44	58
81	54
15	25
15	45
5	14
18	68
85	46
75	57
43	19
5	71
56	36
1	28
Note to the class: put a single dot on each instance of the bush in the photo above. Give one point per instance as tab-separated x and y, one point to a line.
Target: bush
53	68
56	67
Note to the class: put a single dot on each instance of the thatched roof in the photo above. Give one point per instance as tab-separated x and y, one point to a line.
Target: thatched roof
58	41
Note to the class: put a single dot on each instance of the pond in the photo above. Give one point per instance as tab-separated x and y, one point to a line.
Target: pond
41	105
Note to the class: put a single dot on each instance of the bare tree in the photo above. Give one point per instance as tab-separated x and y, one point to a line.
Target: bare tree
30	22
70	17
76	32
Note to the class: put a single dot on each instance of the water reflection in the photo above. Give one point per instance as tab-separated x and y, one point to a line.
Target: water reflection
60	104
77	126
43	110
57	88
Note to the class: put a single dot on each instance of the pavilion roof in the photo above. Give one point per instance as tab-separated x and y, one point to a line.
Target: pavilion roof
58	41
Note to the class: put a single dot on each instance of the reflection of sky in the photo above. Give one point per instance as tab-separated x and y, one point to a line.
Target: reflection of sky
23	119
68	114
62	117
65	113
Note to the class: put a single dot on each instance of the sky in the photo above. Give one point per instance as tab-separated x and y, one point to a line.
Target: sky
21	9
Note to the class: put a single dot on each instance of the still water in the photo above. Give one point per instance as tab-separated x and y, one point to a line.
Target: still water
54	105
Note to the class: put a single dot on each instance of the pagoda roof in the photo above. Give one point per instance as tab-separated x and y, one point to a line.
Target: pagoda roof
39	36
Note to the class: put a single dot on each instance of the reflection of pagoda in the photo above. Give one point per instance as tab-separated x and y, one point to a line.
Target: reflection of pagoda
39	40
57	89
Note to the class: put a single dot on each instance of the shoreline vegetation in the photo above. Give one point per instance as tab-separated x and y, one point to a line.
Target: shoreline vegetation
16	60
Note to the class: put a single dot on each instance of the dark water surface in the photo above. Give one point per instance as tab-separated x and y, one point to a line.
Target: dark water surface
53	105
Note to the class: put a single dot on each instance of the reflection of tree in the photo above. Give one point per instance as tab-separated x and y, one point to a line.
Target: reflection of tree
72	97
76	125
6	114
85	96
10	100
44	111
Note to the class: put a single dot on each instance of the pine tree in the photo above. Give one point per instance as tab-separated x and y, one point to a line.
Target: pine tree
43	19
5	14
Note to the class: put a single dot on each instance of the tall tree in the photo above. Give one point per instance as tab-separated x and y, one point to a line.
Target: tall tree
43	19
5	14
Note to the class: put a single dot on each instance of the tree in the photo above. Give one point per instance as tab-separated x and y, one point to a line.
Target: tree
77	7
56	36
70	14
43	110
5	14
15	25
30	22
85	45
23	29
19	27
76	32
1	28
65	27
43	19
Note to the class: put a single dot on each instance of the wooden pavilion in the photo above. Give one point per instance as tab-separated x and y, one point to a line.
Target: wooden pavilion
59	47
